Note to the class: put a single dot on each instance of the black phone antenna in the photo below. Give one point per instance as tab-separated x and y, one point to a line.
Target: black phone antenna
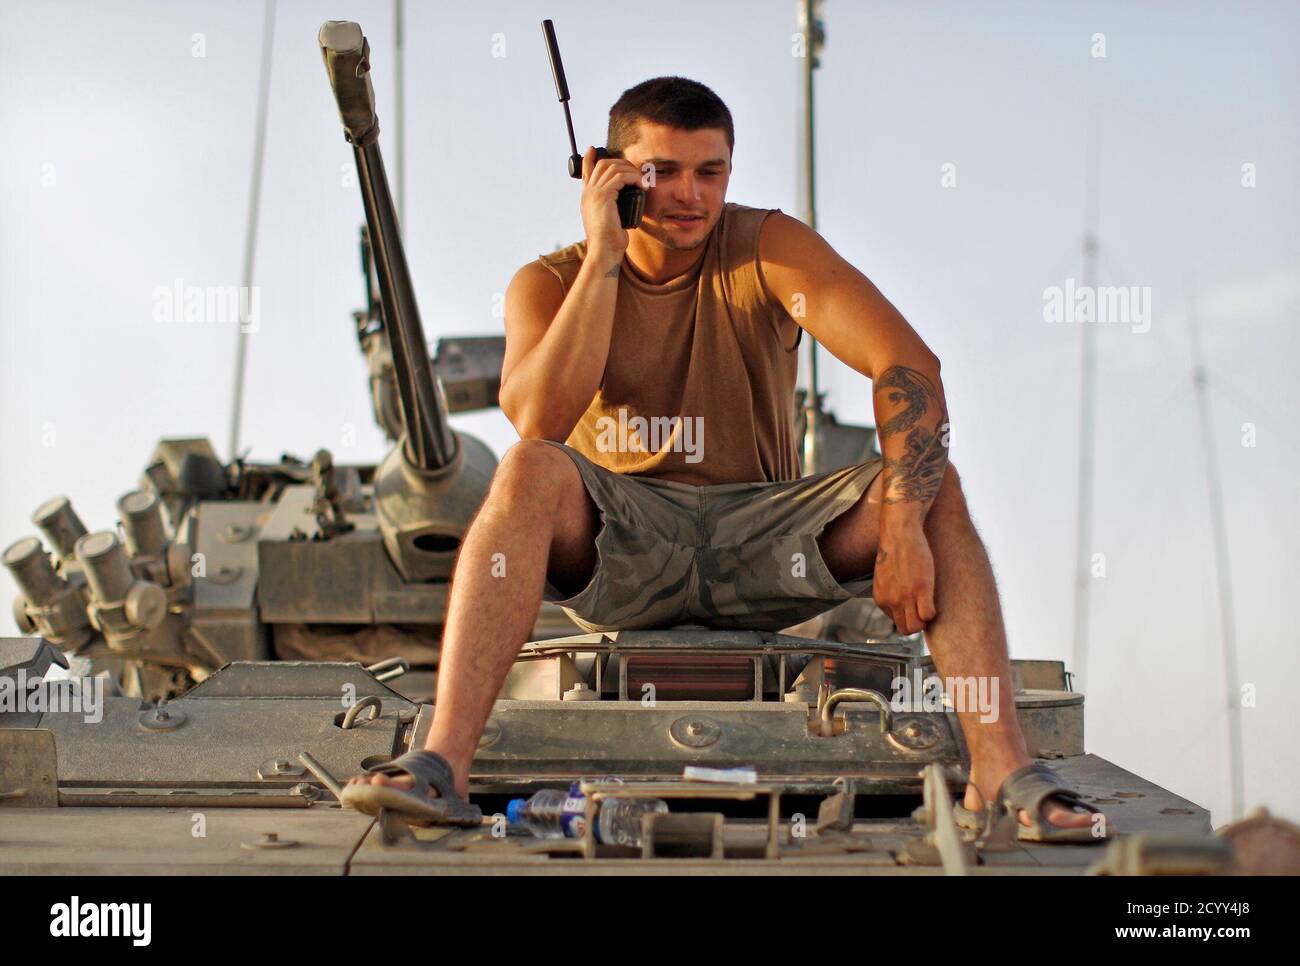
562	90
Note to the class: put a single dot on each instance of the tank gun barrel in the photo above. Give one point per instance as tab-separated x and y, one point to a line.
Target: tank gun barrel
430	444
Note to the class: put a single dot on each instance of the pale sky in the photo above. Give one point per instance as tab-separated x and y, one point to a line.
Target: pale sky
128	168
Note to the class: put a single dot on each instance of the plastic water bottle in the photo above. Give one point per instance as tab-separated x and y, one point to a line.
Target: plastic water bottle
619	822
552	814
549	814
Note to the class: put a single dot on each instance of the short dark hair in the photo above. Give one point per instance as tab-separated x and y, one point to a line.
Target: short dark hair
673	101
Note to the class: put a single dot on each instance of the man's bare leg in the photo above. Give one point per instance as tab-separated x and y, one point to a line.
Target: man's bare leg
536	515
967	636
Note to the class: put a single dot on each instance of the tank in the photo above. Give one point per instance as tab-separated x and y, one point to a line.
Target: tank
217	665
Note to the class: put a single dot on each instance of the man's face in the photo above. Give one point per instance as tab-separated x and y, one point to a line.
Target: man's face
691	171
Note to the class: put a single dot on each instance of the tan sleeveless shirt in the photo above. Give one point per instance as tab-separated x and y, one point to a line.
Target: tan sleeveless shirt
699	383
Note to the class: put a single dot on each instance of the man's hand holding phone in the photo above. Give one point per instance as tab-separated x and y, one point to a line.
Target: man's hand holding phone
601	182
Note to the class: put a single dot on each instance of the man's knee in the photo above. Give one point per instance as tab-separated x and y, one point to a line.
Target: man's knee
951	482
543	480
533	467
949	500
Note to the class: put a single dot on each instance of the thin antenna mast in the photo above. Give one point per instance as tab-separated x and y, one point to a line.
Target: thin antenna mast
1087	411
1222	571
814	38
399	110
250	232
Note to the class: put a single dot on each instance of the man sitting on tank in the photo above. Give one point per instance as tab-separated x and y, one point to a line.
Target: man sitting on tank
651	374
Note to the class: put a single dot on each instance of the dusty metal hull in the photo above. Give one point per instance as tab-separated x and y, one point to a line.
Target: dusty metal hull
214	781
331	841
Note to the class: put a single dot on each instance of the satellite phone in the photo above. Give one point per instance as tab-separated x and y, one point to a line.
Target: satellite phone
631	198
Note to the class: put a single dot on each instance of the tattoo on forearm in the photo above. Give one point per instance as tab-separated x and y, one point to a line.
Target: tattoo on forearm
915	475
613	272
909	387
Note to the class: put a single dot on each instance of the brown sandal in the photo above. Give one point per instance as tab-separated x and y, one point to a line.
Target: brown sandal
1029	788
428	769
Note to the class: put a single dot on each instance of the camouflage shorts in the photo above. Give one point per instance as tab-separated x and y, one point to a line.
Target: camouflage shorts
738	555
